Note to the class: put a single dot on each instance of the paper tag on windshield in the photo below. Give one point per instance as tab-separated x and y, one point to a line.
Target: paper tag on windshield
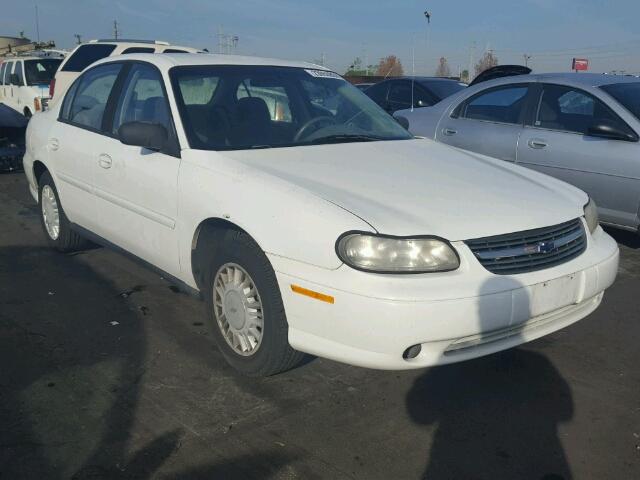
323	74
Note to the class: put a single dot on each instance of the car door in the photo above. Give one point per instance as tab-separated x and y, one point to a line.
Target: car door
556	142
76	139
136	188
489	122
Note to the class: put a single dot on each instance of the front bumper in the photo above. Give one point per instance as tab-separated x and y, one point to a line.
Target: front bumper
453	316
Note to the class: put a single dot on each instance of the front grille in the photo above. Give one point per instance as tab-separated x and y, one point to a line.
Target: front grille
530	250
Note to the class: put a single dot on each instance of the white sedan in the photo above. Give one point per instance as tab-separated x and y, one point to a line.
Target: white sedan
307	218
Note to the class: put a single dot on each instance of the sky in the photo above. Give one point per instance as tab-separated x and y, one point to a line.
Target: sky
338	31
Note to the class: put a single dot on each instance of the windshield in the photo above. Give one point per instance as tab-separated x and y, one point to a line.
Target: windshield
442	89
628	94
39	72
226	107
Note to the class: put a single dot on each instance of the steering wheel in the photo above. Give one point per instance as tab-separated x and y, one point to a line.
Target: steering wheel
307	125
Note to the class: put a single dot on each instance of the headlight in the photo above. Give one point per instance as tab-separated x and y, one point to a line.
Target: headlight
591	215
385	254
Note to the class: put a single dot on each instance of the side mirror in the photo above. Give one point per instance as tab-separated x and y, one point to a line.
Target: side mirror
611	131
14	79
403	121
152	136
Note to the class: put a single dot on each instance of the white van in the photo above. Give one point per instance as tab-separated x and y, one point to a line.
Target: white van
24	82
87	53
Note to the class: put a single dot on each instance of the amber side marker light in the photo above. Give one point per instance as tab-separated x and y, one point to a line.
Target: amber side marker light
310	293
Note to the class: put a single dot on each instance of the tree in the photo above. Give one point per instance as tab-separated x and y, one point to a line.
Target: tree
389	66
358	69
443	69
488	60
464	76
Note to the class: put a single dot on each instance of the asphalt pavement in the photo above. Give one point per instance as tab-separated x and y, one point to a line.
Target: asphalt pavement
108	372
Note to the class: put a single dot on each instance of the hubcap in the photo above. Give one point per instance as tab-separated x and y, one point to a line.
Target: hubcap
50	213
238	309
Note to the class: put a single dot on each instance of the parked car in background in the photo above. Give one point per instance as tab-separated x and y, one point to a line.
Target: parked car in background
24	83
580	128
396	93
335	233
12	129
363	86
87	53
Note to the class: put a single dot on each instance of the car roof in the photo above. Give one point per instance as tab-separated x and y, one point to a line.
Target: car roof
568	78
169	60
13	59
423	79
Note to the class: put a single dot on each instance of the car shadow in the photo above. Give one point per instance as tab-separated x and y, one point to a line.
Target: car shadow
63	331
624	237
497	416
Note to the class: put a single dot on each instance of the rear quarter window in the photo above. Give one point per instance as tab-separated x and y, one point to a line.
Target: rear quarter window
85	55
138	50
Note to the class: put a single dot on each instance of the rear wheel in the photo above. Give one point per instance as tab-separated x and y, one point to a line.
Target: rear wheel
56	225
245	307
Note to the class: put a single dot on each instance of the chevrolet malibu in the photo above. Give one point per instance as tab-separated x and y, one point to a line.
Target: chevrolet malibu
308	218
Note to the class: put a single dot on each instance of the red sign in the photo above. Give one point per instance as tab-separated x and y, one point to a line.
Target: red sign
580	64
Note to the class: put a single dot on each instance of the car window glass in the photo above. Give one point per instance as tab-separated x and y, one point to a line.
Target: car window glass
7	76
502	105
274	96
378	92
173	50
571	110
138	50
400	92
19	72
198	89
628	94
421	98
142	99
40	72
92	94
3	69
85	55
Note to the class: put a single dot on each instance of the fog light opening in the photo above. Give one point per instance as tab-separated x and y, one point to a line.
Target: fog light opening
412	352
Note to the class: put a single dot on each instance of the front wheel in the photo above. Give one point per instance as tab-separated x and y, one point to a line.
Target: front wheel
246	310
56	225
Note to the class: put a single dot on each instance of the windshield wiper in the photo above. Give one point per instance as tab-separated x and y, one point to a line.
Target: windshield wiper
344	138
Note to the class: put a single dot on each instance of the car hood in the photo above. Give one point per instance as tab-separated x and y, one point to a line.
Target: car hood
420	187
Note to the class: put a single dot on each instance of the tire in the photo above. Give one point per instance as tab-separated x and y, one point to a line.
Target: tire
272	354
66	239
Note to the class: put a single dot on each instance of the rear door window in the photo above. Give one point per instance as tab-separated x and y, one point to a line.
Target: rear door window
3	69
7	75
378	92
19	72
90	99
85	55
500	105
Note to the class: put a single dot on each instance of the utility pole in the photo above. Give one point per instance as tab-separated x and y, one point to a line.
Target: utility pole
526	59
37	25
78	38
472	49
115	29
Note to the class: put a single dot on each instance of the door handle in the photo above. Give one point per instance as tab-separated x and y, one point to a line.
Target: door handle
105	161
537	143
54	144
449	131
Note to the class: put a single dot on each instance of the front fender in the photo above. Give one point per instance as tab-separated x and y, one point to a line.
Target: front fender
285	220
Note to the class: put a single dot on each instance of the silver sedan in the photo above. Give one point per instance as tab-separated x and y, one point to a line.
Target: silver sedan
580	128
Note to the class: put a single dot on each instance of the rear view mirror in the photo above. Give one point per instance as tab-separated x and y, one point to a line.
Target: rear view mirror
142	134
403	121
611	131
